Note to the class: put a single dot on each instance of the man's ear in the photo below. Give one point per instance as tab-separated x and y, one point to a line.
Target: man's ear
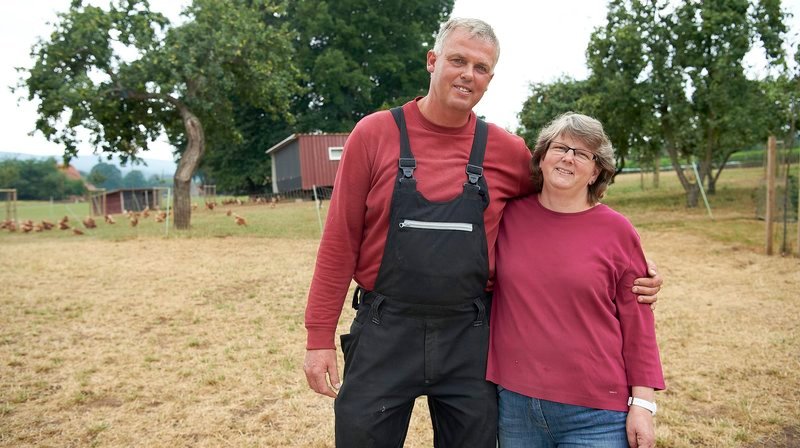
430	61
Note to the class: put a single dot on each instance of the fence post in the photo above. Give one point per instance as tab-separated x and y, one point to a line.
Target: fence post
770	204
318	205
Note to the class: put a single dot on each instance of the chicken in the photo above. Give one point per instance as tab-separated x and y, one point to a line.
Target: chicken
134	219
89	223
63	225
228	212
77	231
109	219
240	221
146	212
47	225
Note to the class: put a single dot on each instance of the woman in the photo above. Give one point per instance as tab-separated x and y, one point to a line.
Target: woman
573	353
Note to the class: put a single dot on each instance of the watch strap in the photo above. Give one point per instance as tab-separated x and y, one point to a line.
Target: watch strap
649	405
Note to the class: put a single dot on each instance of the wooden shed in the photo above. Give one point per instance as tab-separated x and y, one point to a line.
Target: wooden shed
130	200
301	161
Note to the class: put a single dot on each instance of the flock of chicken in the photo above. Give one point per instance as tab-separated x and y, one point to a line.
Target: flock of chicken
28	225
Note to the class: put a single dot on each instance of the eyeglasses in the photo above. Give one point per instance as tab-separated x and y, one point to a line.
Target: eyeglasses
581	155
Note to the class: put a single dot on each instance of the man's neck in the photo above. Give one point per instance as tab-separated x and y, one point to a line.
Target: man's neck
439	116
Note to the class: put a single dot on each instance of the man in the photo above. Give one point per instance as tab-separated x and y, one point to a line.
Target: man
414	219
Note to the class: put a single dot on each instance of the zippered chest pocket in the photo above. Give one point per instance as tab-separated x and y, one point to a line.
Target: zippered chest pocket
441	258
435	225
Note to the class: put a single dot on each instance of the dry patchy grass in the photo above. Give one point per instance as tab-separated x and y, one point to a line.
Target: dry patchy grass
198	340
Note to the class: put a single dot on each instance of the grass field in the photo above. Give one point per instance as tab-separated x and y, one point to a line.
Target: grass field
128	336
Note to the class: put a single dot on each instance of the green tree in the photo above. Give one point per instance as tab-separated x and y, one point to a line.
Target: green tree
616	86
547	101
730	109
358	56
243	167
105	175
181	79
156	180
134	179
784	98
682	68
38	180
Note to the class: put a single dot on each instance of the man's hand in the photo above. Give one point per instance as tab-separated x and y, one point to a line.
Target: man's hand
640	428
648	287
319	366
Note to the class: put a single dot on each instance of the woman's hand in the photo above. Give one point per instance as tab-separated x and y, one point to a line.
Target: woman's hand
640	428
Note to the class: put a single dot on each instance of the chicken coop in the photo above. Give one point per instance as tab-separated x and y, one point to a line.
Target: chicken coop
129	200
302	161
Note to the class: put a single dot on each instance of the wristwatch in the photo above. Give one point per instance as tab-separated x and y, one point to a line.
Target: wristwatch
649	405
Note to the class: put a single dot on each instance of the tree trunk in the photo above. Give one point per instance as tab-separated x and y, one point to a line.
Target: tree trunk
641	177
656	171
190	159
789	141
712	185
688	187
672	152
692	196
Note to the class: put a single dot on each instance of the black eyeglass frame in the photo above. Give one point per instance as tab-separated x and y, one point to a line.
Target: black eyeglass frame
574	151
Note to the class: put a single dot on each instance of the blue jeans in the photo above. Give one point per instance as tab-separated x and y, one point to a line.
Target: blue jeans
530	422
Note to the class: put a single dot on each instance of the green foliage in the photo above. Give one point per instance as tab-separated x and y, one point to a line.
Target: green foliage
243	167
616	61
355	56
105	175
358	56
38	180
81	78
548	101
673	78
182	79
134	179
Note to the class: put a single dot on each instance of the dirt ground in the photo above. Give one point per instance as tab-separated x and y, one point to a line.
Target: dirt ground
198	342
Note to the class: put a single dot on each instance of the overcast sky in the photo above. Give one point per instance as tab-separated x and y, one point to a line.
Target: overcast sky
540	41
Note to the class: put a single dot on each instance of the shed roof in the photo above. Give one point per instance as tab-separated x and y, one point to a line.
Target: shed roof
283	143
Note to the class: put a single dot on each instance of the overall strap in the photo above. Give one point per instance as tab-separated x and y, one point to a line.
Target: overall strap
475	165
407	162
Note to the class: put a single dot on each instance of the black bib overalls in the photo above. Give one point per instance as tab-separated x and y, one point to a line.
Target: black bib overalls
424	330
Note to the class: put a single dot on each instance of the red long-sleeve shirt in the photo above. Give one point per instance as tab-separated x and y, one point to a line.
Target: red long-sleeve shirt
358	217
565	325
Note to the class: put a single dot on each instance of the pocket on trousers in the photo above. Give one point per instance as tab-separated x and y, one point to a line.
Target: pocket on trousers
349	343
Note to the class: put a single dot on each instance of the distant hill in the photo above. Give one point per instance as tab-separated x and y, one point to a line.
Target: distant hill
85	163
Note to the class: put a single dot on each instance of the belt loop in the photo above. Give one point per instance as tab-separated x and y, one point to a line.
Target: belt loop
481	312
374	312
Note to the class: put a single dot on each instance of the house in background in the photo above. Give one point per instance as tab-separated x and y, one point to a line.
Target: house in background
301	161
72	173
